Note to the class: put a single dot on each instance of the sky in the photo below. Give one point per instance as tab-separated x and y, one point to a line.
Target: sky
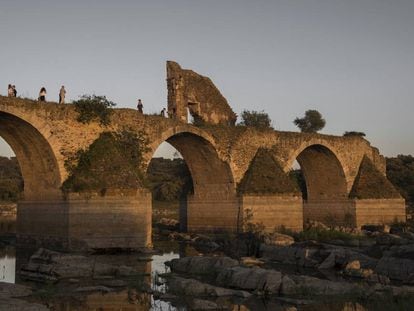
353	60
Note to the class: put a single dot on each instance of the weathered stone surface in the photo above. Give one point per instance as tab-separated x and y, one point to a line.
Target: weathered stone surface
251	261
278	239
298	284
50	266
250	279
11	304
201	265
200	304
191	287
371	184
14	290
401	269
103	289
390	239
340	258
8	302
296	255
198	94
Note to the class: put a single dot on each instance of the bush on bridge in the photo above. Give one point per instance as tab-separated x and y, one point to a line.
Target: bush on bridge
312	122
113	161
93	107
257	119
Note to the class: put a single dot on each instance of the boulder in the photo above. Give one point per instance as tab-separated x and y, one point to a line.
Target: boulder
340	257
195	288
404	251
278	239
50	266
14	290
199	305
353	265
251	261
294	255
98	288
168	224
250	279
376	228
8	298
11	304
306	285
201	265
390	239
400	269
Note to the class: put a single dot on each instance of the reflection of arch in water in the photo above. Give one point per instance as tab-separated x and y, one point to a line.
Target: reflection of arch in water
36	158
213	205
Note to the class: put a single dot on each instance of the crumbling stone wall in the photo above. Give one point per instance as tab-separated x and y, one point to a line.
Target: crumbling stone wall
198	94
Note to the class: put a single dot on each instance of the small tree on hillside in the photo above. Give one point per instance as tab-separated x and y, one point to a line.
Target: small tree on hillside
257	119
312	122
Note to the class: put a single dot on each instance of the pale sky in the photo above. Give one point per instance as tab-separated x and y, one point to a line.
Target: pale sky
353	60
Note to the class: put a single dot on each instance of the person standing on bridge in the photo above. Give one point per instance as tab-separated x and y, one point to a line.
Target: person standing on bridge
163	113
14	91
42	94
62	94
140	106
10	92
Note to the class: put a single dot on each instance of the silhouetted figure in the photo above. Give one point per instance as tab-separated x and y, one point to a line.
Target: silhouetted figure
140	106
62	94
42	94
10	92
14	91
163	113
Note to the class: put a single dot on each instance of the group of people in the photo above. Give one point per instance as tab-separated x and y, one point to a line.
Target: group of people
140	108
62	94
12	92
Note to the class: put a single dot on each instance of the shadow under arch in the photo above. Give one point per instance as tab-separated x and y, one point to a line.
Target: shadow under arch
323	173
326	187
36	158
213	205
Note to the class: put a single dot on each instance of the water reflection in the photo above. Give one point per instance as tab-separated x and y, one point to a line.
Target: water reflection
7	264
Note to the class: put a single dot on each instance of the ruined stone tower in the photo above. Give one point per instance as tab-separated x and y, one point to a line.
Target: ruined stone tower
189	92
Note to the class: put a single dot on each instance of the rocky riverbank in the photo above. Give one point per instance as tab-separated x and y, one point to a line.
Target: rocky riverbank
337	269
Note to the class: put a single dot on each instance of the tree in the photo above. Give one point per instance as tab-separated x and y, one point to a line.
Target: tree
257	119
354	133
400	171
312	122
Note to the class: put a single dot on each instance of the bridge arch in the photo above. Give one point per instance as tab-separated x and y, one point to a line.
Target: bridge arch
38	164
323	173
320	161
213	203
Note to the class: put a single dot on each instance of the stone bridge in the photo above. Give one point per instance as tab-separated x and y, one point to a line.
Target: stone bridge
235	170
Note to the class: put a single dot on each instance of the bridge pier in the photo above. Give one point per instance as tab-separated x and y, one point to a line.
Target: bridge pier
81	222
212	214
272	211
355	212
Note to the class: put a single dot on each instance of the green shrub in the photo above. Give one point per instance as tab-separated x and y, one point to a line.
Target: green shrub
114	160
257	119
93	107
